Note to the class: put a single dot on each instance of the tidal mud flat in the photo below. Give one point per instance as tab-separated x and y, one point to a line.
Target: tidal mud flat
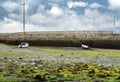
58	64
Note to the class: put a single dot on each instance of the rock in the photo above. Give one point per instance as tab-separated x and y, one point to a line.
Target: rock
39	78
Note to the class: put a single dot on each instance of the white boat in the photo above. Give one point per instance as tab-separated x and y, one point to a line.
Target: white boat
85	46
23	45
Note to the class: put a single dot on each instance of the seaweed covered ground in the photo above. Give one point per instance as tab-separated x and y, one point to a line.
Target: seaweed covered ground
58	64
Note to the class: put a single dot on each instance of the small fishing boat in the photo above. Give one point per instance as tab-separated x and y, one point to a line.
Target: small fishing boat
85	46
23	44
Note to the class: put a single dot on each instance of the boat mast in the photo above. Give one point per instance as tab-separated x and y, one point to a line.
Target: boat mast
23	11
114	21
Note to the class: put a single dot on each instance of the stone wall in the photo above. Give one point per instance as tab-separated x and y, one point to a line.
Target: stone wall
102	39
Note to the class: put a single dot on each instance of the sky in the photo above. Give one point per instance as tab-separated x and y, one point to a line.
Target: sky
60	15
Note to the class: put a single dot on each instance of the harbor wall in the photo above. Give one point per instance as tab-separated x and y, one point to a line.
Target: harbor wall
97	39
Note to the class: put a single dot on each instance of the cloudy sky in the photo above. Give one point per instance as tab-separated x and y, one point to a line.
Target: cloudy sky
60	15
